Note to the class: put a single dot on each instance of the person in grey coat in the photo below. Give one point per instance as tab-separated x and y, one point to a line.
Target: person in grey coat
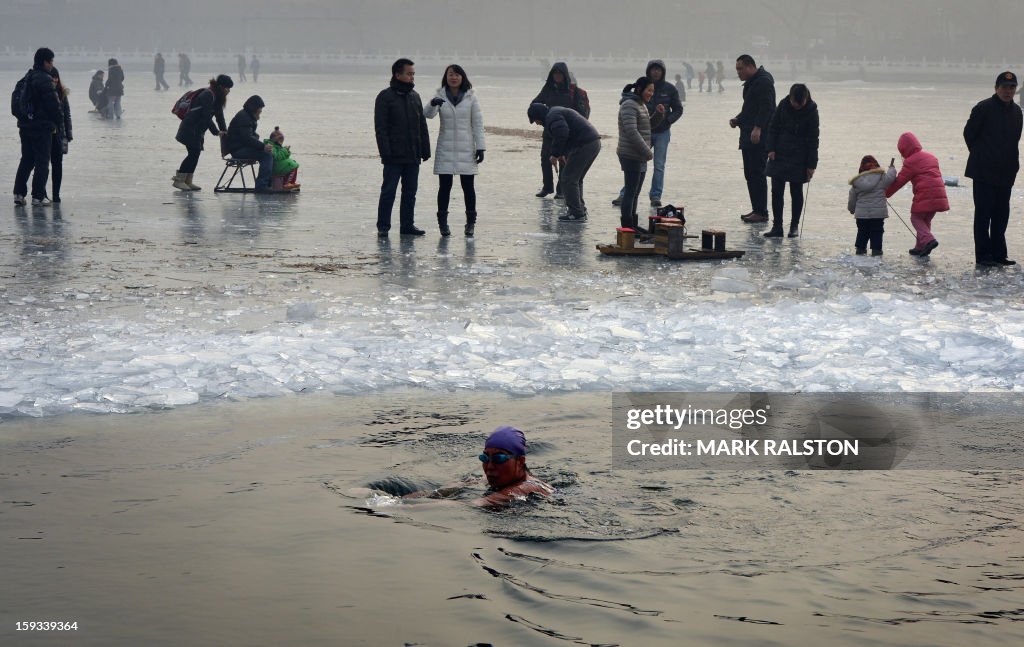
868	205
634	147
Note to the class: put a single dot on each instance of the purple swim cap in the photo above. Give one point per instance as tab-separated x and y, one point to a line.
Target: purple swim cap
507	438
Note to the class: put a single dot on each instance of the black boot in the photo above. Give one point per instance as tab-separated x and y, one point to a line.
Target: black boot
470	223
442	223
776	230
794	228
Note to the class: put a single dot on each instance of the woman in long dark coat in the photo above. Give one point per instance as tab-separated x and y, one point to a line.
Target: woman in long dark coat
206	107
61	138
792	145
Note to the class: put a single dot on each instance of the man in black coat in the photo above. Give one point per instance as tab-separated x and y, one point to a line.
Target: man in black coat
993	134
37	130
559	91
753	119
244	143
403	142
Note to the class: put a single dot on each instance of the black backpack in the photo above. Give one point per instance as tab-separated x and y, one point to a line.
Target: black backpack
21	99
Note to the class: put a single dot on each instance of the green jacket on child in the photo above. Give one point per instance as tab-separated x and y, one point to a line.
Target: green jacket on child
283	162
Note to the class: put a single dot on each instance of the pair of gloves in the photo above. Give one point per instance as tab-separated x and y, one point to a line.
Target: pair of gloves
437	101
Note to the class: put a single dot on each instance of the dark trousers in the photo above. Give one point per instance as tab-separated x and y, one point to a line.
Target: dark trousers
265	159
870	229
56	164
754	160
35	159
409	175
991	216
633	180
188	165
545	168
444	192
796	197
576	167
161	84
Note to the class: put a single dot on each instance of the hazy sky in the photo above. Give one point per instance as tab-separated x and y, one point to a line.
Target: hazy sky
984	29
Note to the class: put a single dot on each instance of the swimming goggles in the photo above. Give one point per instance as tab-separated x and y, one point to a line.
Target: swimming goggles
497	459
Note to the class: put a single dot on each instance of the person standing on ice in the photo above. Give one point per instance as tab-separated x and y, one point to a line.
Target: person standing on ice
634	146
753	119
574	143
460	144
665	101
206	112
114	89
560	90
403	141
921	169
36	131
689	75
184	67
792	143
158	71
993	137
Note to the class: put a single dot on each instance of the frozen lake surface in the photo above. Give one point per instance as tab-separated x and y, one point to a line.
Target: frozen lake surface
133	296
231	518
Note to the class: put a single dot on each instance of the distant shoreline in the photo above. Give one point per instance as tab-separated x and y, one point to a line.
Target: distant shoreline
823	69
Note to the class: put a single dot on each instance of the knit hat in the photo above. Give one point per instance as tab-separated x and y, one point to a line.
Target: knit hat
537	112
867	163
224	81
508	438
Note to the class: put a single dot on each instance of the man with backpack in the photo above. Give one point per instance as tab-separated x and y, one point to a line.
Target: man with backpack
559	91
35	104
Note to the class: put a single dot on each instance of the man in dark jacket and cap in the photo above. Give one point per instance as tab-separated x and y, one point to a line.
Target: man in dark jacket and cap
993	137
666	101
560	90
244	143
575	143
114	89
753	120
403	142
37	129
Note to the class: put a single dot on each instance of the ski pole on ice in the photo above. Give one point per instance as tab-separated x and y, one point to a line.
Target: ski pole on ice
803	216
901	219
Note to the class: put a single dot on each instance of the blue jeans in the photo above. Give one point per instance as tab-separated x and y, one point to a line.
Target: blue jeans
659	141
409	174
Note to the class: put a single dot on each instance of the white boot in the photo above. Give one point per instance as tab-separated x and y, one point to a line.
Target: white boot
188	181
179	182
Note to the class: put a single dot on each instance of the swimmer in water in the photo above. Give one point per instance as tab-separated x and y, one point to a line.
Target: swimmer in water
508	477
504	460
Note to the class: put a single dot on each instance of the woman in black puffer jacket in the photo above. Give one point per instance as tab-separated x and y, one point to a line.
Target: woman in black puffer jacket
206	107
792	145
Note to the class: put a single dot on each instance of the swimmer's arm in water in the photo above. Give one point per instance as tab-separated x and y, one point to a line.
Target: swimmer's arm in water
444	492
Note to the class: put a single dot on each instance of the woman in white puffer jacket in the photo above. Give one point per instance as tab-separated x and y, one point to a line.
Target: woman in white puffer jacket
460	143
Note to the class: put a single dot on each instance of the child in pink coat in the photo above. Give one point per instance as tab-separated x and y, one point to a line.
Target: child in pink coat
921	169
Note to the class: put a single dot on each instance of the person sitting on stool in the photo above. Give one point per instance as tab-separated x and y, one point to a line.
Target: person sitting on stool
244	143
